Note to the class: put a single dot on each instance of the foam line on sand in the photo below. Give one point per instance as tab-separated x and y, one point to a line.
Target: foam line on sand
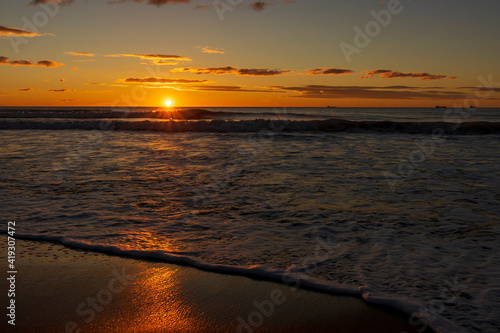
59	289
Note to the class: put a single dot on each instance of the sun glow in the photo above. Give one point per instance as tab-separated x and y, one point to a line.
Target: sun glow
168	103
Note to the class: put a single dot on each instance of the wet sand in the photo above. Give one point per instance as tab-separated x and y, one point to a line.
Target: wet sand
59	289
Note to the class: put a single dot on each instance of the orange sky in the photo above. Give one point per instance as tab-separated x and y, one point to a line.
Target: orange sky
249	53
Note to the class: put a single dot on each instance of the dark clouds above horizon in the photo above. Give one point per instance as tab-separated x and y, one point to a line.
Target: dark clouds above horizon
231	70
160	80
391	74
6	32
372	92
257	6
42	63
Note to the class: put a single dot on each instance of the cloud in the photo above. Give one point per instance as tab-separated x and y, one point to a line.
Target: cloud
390	74
28	89
255	5
6	32
490	89
157	3
371	92
42	63
209	70
163	2
162	81
62	80
74	68
377	72
83	54
96	84
61	90
261	72
258	5
48	63
157	59
228	89
207	49
231	70
328	71
60	2
220	88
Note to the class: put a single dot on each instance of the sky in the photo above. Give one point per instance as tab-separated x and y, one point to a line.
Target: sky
280	53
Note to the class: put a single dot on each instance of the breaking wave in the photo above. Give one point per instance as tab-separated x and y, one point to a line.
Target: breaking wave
255	125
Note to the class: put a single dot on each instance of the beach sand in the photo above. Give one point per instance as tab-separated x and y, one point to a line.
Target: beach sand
59	289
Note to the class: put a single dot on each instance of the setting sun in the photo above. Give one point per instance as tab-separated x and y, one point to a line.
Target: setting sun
168	102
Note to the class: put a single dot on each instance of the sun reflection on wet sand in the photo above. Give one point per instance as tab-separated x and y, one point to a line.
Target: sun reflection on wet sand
152	302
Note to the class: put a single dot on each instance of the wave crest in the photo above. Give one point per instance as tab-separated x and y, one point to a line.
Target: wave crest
256	125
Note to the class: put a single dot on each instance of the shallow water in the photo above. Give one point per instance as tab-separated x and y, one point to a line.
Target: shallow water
401	219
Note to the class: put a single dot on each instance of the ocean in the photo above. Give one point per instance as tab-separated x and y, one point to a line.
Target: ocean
399	206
